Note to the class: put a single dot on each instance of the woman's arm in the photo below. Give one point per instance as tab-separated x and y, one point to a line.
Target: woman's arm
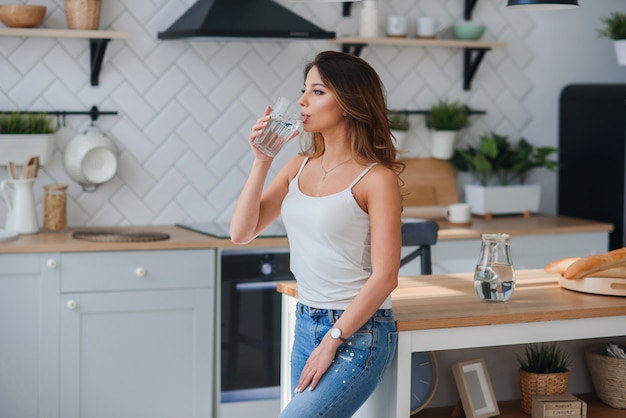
381	196
256	208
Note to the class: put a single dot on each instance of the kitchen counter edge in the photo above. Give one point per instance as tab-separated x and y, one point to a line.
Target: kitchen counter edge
181	238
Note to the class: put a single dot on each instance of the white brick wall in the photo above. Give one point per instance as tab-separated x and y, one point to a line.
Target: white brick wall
185	106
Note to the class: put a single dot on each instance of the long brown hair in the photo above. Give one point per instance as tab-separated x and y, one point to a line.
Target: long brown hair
361	95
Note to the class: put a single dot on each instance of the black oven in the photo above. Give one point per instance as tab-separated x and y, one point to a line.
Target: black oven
250	323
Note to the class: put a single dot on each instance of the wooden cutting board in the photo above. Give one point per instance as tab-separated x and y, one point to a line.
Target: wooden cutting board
597	285
428	182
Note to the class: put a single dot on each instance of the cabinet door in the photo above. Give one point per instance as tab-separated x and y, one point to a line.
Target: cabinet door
137	354
28	335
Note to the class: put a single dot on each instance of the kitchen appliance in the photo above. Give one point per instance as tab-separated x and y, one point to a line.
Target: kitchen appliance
242	18
592	153
250	323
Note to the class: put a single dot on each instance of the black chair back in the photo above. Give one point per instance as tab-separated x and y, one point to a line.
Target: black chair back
422	234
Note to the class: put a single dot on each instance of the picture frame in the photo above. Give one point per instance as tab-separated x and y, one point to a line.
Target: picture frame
475	390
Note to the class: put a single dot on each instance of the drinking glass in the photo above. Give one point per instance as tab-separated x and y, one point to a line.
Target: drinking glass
284	123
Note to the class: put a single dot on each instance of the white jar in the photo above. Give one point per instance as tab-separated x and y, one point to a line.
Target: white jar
369	19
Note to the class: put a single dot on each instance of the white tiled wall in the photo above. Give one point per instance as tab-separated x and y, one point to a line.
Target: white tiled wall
185	106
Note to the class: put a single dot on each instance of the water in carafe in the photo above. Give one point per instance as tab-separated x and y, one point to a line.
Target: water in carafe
494	277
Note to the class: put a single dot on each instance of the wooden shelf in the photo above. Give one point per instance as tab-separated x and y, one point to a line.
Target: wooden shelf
444	43
98	40
473	51
513	409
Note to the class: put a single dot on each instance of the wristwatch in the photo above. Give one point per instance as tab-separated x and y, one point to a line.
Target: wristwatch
335	334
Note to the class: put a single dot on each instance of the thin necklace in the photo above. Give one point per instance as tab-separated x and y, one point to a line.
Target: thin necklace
328	171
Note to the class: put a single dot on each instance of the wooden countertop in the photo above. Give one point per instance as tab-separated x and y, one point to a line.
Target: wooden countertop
181	238
449	301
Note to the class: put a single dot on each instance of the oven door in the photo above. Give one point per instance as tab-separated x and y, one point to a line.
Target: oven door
250	323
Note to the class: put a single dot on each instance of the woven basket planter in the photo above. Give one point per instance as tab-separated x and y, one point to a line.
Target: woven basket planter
540	384
608	375
83	14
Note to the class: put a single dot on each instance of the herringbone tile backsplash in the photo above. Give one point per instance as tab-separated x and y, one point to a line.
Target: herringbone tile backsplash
185	107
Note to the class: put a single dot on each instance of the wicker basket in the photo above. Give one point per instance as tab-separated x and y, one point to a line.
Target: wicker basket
608	375
83	14
540	384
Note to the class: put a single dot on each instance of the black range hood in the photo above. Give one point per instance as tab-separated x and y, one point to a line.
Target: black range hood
242	19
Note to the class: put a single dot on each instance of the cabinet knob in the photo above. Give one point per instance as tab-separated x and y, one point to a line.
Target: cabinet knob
51	263
140	271
71	304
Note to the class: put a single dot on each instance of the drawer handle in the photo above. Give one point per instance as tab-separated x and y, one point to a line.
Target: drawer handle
71	304
51	263
140	272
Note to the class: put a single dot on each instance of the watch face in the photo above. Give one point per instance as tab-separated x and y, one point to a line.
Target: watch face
424	378
335	333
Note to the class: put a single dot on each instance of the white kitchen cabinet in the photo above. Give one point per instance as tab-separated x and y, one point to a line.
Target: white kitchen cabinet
137	334
28	342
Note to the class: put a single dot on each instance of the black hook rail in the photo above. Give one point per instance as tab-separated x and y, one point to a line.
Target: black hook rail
94	113
426	112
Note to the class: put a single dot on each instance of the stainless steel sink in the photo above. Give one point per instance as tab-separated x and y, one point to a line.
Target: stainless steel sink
119	235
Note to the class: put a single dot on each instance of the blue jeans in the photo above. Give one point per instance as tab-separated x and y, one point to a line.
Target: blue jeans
358	367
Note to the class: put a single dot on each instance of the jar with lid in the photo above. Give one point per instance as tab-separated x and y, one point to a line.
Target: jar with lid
494	277
55	207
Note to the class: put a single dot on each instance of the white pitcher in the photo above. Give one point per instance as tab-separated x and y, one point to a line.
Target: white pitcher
21	209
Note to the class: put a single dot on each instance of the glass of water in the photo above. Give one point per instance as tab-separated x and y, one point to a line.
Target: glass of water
284	124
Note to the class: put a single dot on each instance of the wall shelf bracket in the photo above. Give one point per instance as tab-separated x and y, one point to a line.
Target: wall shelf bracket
471	64
468	9
354	49
345	11
97	48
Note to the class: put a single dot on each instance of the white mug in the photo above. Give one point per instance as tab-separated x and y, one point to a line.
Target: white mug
396	26
458	213
426	27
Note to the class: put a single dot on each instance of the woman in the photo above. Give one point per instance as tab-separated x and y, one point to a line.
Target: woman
340	203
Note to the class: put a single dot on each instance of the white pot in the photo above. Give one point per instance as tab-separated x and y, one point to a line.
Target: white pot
90	159
400	139
443	144
620	51
20	147
499	200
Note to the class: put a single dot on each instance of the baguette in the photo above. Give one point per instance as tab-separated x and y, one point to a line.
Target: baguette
595	263
560	265
612	273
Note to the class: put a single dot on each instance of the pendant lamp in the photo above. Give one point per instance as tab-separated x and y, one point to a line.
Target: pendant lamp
543	4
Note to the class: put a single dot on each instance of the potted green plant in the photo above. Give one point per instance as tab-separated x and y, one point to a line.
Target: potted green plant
501	169
445	119
399	125
543	371
23	135
615	28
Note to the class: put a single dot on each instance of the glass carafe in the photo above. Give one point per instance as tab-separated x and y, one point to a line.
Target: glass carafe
494	277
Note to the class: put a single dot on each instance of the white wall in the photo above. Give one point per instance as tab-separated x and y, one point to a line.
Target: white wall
185	106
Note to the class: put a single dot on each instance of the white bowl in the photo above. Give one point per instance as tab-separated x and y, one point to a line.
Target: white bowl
90	158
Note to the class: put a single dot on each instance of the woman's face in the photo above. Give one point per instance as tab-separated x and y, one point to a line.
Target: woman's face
320	110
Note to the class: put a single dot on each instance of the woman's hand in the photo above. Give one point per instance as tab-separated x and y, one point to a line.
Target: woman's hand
317	364
257	130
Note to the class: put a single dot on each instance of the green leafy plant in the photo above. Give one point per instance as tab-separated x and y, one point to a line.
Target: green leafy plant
399	121
497	159
447	116
614	26
25	123
544	358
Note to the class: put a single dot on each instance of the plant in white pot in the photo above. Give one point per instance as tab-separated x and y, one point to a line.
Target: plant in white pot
445	119
615	29
23	135
501	169
399	125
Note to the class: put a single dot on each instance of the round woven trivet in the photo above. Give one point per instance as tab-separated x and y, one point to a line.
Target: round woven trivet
120	236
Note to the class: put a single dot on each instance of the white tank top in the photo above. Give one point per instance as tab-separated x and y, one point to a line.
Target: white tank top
329	245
